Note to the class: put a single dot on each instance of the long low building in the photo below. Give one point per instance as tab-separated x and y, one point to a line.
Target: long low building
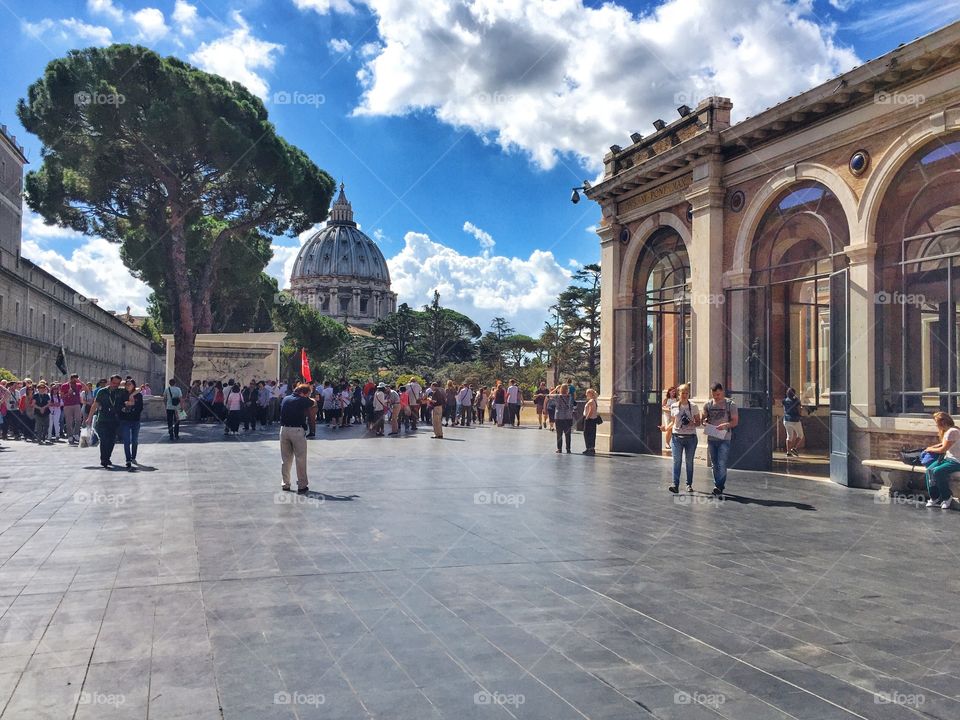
39	314
815	245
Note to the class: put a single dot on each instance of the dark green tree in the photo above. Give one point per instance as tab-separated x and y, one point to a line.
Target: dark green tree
448	336
579	307
181	167
319	335
518	347
399	331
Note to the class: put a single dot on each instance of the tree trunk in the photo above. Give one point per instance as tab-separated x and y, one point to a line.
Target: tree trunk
184	332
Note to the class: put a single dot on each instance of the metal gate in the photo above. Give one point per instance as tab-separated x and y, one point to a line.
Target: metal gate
658	354
748	377
840	377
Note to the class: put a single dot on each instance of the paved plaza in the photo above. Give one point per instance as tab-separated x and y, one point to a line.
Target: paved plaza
482	576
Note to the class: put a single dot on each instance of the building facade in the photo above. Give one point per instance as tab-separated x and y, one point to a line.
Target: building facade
39	314
815	245
341	273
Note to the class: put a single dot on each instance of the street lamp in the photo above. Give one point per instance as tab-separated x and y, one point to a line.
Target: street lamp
575	195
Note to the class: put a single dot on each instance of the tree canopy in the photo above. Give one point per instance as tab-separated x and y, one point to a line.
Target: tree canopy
181	167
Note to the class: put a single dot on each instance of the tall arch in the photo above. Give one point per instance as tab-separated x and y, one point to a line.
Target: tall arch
638	242
904	148
760	203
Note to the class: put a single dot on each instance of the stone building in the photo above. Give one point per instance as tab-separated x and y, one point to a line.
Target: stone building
814	245
39	314
341	273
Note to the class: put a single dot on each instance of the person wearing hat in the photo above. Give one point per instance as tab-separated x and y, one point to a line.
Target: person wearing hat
438	400
41	412
381	401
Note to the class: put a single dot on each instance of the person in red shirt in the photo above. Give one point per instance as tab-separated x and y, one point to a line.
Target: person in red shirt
72	407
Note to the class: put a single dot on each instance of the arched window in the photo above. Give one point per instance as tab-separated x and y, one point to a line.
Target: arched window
664	329
799	235
918	283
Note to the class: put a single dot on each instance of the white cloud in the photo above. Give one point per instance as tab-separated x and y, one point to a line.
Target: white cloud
900	17
368	50
339	45
325	6
574	263
552	77
151	24
106	8
68	30
239	56
482	287
483	237
186	18
83	268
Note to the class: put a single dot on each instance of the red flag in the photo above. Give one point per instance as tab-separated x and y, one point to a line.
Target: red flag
305	366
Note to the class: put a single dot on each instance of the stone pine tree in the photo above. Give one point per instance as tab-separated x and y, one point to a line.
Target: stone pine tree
177	165
579	306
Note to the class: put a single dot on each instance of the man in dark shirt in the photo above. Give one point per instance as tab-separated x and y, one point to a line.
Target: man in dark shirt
438	398
107	404
293	436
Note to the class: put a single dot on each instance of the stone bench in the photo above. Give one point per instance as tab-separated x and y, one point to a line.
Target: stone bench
899	478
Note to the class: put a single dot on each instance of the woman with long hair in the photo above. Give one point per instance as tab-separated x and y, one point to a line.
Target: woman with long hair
938	474
56	408
130	413
540	403
481	402
667	426
450	409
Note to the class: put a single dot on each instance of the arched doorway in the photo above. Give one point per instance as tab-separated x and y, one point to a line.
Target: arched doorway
918	284
659	328
788	328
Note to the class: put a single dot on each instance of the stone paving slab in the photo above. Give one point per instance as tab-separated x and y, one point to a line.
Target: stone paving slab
482	576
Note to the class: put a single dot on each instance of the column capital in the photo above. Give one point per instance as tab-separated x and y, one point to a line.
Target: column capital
860	253
736	279
608	232
706	193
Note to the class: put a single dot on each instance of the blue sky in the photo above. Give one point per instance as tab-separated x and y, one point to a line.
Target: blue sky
460	128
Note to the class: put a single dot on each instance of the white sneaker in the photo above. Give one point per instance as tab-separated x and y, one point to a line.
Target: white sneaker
945	505
931	502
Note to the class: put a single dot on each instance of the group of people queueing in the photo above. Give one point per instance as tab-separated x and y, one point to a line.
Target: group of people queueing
718	418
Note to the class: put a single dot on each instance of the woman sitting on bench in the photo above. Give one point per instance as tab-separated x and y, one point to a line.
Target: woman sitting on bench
938	474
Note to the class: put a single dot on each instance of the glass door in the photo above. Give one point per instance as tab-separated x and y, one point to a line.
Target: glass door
840	377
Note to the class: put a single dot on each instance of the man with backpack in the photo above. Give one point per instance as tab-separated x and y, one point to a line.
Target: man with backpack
173	396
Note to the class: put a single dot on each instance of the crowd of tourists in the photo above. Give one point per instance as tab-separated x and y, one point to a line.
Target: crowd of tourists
48	413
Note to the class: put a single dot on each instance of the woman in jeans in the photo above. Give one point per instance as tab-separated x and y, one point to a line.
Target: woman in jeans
130	413
938	474
563	416
685	418
590	413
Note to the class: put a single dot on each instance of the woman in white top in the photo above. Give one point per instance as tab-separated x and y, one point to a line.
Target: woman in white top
667	425
938	474
685	418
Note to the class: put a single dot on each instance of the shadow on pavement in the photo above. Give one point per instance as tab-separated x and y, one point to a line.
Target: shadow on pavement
743	500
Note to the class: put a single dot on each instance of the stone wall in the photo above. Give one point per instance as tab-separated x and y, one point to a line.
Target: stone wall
39	313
